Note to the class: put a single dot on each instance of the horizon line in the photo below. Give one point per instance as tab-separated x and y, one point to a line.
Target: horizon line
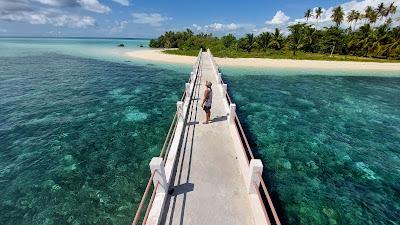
81	37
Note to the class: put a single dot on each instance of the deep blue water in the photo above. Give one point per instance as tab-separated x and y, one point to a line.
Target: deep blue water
77	134
330	144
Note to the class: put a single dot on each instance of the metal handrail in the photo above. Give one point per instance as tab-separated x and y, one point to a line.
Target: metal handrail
240	127
169	140
182	99
169	145
139	210
271	205
264	188
244	137
146	215
262	205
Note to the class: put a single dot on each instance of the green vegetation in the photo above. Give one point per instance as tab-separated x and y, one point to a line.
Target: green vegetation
368	42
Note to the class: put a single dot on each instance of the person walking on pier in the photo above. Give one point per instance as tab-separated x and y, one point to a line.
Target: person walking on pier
207	101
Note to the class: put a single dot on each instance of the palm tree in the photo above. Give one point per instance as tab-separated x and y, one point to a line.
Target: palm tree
395	43
338	15
318	13
295	39
250	42
357	17
308	14
381	10
276	39
228	40
264	40
353	16
371	14
389	22
390	10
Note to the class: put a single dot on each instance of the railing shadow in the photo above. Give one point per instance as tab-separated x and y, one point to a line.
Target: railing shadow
186	187
182	189
192	123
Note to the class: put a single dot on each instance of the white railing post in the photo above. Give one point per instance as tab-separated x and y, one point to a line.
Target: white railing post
157	165
219	78
179	111
253	182
225	89
192	76
232	113
187	89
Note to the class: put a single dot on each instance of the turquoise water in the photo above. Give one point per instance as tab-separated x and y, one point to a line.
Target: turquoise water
330	144
77	131
93	48
79	123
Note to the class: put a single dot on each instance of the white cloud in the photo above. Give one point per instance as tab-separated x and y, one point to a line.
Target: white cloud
263	29
119	26
196	27
279	18
94	6
90	5
224	27
52	17
30	17
11	6
283	30
3	30
54	32
22	11
220	27
58	3
122	2
73	21
152	19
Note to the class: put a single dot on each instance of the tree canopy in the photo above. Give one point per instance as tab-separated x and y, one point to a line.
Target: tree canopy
368	40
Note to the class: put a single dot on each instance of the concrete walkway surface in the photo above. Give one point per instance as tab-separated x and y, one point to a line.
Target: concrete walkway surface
208	187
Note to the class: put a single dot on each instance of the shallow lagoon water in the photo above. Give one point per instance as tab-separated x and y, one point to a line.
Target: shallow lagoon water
78	128
77	134
82	47
330	144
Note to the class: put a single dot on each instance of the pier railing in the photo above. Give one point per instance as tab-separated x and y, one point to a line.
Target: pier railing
253	165
160	171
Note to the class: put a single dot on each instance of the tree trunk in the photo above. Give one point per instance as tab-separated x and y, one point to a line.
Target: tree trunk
333	49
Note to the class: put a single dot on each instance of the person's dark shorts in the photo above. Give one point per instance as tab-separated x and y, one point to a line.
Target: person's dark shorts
207	108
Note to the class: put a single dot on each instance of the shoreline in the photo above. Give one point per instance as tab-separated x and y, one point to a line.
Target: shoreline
158	55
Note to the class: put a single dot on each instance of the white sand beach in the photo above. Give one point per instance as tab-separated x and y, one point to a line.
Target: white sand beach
158	55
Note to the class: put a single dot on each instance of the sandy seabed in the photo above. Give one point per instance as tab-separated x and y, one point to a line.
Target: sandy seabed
158	55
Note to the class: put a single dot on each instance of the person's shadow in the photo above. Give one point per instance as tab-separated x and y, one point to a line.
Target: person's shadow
219	119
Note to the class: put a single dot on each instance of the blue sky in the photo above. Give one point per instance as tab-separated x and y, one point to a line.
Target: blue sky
146	18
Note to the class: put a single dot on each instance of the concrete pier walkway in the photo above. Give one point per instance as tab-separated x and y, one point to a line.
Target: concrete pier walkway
208	187
206	173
